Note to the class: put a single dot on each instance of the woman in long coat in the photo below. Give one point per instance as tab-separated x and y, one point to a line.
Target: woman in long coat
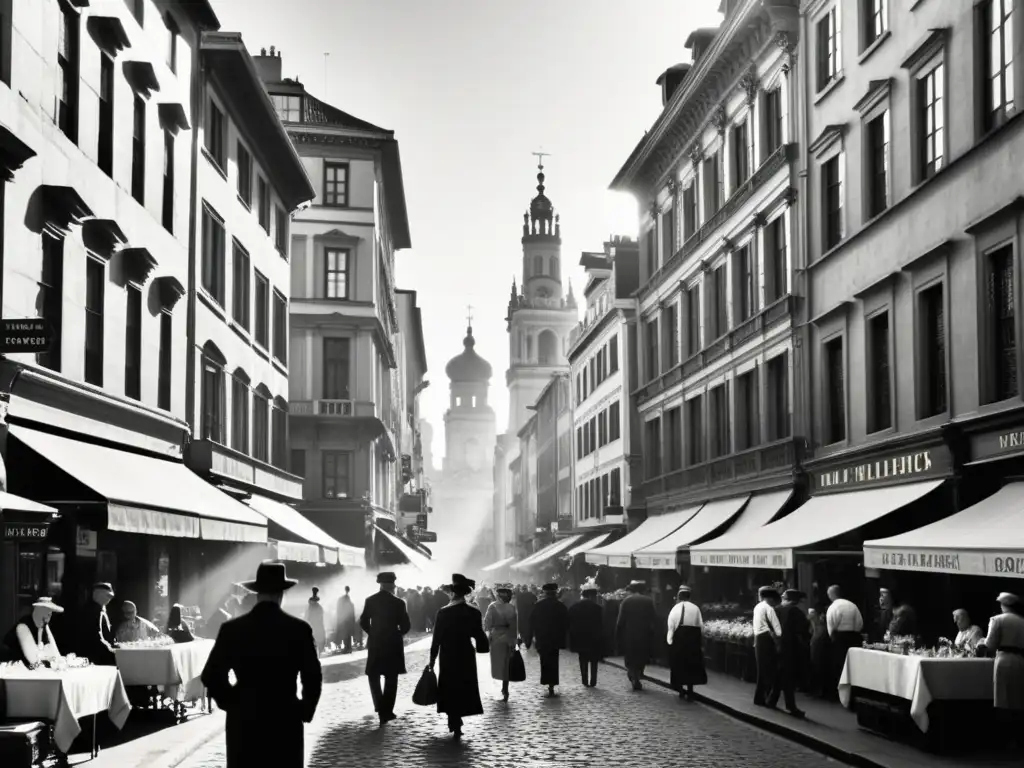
502	627
457	628
685	640
1006	641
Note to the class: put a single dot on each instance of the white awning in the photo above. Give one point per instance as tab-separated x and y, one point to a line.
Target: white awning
148	495
986	539
497	565
619	554
417	559
297	551
542	556
715	514
11	503
295	522
820	519
587	545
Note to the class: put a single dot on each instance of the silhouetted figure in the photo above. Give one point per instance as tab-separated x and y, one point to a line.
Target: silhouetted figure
549	626
586	633
385	620
636	632
346	619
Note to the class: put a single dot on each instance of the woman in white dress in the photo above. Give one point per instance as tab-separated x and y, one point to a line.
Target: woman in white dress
502	627
1006	640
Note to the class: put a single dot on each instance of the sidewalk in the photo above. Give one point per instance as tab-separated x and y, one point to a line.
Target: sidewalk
172	745
828	728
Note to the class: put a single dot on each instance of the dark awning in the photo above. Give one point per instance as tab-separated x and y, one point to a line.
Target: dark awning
170	290
109	34
141	76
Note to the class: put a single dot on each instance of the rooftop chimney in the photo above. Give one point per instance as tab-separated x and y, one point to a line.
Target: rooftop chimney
670	80
268	66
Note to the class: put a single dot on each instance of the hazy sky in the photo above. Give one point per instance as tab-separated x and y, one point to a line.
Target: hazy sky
471	88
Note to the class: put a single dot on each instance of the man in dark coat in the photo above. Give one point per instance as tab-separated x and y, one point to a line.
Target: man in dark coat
385	620
636	631
346	619
267	649
525	600
586	633
98	641
549	625
793	648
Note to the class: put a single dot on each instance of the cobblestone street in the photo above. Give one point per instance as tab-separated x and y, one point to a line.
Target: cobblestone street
607	726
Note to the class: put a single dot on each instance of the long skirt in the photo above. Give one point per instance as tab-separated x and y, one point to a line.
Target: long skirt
1008	681
687	658
500	655
548	667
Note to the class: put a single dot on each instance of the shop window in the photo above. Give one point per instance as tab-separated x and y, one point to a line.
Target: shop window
835	391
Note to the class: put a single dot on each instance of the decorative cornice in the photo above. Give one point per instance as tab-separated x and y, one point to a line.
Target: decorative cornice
750	83
924	50
169	290
138	264
789	51
876	92
14	153
62	208
102	237
673	185
829	135
311	137
760	219
696	155
720	119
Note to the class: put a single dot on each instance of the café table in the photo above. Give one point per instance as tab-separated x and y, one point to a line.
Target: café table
64	697
920	680
170	666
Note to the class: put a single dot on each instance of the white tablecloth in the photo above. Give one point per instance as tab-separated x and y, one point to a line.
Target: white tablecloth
166	665
918	679
62	698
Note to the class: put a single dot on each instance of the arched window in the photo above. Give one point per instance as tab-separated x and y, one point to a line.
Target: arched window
211	395
279	434
553	269
538	265
261	423
547	348
240	411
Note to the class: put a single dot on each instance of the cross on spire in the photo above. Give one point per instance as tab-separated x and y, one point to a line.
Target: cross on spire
540	158
469	315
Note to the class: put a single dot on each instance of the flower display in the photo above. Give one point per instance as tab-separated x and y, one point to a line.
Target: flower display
720	610
739	631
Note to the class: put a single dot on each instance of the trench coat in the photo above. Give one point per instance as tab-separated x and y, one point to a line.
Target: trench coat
267	650
586	630
458	627
636	630
385	620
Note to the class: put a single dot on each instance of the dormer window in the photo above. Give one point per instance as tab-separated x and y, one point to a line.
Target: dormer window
289	107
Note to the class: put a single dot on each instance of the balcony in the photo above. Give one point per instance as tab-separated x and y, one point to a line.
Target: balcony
765	320
346	409
215	461
762	460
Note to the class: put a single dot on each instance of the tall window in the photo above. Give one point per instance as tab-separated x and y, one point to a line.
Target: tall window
740	154
262	302
105	147
998	61
776	262
336	273
880	386
280	327
172	43
168	186
68	71
1002	323
337	359
778	397
133	345
832	204
878	164
215	136
695	430
673	428
668	230
244	161
613	354
652	436
213	254
671	331
652	350
260	426
213	400
720	281
712	186
139	150
693	320
278	435
263	201
163	384
95	284
876	20
281	231
51	299
240	413
772	121
336	184
690	210
835	391
932	327
651	247
240	275
745	276
337	480
932	120
829	53
614	422
747	411
720	420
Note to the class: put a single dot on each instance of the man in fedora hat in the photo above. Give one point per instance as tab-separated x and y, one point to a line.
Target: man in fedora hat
385	620
635	631
549	624
586	633
267	649
98	641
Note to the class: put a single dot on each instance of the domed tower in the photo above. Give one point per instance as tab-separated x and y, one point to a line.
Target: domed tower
469	423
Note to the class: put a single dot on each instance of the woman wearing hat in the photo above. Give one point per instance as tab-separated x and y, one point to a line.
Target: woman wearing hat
502	626
30	640
1006	640
458	627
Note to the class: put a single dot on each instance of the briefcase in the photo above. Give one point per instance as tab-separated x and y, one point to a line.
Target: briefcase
25	744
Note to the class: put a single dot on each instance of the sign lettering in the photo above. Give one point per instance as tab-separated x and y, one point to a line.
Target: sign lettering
25	335
776	559
993	563
890	468
26	531
995	444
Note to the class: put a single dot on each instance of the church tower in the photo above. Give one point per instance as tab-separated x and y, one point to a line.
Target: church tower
469	423
542	314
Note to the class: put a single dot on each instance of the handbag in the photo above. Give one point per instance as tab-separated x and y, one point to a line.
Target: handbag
425	694
516	667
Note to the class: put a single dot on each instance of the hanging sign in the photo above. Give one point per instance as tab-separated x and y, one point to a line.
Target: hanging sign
26	531
26	335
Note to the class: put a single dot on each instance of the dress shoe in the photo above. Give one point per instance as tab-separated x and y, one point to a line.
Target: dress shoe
798	713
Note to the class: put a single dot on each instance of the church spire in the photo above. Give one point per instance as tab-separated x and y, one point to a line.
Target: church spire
540	220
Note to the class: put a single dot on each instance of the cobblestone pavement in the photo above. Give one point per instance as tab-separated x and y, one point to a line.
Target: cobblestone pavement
610	725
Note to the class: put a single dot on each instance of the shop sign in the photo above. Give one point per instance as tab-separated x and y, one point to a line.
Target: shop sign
761	558
886	470
656	562
25	335
992	563
26	531
620	561
992	445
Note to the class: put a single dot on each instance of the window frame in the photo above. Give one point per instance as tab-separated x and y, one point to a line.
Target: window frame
333	367
344	273
139	117
872	206
105	136
261	328
776	272
241	285
259	426
991	117
70	68
240	413
167	182
94	360
875	422
696	452
134	320
874	27
51	302
244	173
264	202
830	239
828	49
345	457
333	199
774	124
774	392
925	409
990	237
831	434
165	362
216	271
279	323
747	408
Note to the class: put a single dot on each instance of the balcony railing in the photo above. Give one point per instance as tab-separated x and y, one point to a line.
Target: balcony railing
342	408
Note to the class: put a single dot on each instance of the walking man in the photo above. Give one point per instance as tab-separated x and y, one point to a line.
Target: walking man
767	637
796	633
268	650
385	620
549	624
586	633
346	622
635	631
